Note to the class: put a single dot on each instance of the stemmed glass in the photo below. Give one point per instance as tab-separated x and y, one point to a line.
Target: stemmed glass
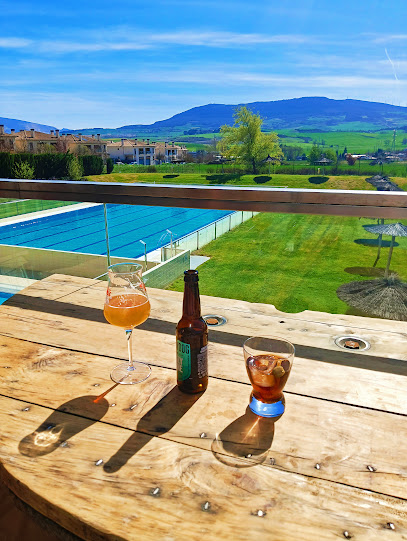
268	364
127	306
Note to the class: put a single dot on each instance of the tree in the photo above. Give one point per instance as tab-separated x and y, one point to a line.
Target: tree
75	170
331	155
23	170
246	143
350	159
315	154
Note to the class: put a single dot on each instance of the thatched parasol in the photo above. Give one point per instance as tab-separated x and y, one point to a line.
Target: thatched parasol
394	230
385	297
383	184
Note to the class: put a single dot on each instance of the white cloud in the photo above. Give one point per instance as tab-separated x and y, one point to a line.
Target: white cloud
125	39
14	43
390	37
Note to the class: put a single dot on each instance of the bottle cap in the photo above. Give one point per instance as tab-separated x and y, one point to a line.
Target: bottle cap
191	275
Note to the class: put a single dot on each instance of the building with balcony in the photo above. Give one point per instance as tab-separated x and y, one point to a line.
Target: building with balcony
144	152
36	142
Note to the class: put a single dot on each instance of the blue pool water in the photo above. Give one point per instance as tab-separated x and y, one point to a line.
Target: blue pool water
4	296
83	230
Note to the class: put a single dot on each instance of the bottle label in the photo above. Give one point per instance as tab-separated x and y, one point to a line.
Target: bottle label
202	359
183	360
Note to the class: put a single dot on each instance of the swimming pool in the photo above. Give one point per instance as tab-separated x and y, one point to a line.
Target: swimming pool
84	230
4	296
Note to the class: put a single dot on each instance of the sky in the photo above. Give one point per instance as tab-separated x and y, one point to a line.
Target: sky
106	64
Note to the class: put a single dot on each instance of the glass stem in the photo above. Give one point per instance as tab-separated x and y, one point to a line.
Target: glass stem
129	333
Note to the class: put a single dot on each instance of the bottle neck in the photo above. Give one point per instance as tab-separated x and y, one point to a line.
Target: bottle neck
191	308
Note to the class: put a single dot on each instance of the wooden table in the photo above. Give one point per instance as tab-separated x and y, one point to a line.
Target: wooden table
148	462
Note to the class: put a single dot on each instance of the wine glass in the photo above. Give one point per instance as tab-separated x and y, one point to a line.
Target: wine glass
268	364
127	306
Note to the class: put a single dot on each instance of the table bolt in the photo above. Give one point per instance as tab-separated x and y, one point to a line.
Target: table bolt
347	535
260	513
26	409
155	492
371	468
112	405
98	462
64	444
96	384
390	526
317	466
206	506
50	427
272	461
7	367
131	408
203	435
249	455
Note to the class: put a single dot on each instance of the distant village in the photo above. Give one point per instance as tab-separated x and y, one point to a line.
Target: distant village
133	151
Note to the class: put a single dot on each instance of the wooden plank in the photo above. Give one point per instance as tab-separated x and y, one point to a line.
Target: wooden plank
375	379
161	491
343	440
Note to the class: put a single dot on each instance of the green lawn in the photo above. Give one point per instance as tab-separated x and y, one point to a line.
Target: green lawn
344	182
355	142
9	207
295	262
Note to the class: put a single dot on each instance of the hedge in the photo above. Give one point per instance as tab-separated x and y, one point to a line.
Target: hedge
49	166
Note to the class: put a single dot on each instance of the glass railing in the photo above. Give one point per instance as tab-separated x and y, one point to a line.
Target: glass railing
295	249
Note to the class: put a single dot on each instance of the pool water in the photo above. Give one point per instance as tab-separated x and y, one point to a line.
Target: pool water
84	230
4	296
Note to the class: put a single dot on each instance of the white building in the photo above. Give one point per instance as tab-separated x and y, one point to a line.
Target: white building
142	152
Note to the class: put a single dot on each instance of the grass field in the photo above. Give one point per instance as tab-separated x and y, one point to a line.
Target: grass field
355	142
9	207
295	262
345	182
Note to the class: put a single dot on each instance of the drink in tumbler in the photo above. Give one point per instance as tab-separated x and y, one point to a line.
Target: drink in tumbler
268	364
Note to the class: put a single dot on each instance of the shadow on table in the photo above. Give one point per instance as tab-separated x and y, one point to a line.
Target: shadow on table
367	362
245	442
59	427
159	420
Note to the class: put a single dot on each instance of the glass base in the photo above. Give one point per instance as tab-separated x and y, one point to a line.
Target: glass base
125	376
267	410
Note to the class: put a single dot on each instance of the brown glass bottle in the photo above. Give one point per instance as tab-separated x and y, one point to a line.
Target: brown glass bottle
192	340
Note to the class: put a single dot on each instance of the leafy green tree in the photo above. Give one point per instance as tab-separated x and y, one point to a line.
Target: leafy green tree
23	170
109	165
315	154
331	155
246	143
75	169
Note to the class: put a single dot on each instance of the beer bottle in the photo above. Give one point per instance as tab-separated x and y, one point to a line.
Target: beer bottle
192	340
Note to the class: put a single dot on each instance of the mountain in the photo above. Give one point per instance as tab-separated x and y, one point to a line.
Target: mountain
18	125
307	114
299	113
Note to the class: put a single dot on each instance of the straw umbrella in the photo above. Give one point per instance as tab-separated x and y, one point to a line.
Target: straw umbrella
385	297
393	230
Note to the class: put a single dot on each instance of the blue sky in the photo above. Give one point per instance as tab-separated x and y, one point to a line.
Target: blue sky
106	64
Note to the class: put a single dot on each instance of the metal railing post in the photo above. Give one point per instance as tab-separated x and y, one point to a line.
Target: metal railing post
107	235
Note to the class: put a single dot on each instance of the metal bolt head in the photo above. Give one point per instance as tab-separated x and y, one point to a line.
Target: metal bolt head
347	535
371	468
206	506
155	492
98	462
272	461
203	435
317	466
390	526
260	513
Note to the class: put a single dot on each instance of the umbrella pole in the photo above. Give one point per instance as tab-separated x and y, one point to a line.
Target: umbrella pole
386	274
378	251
